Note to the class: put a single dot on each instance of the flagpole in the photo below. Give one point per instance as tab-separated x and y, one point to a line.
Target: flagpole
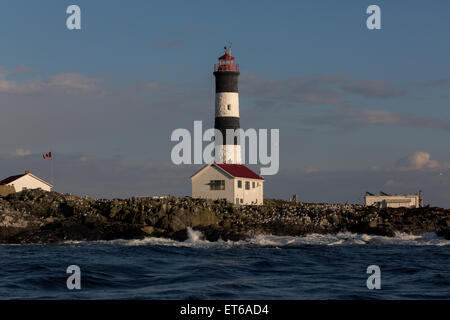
52	166
49	167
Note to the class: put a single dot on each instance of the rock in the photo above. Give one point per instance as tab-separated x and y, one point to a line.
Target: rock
444	233
148	229
39	216
373	224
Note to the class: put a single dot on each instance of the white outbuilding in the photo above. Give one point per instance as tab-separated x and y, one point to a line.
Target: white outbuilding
385	200
234	182
25	181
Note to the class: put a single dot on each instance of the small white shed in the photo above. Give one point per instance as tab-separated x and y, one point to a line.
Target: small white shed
26	181
234	182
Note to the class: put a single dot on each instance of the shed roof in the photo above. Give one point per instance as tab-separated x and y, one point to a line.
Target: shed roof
16	177
234	170
11	179
239	171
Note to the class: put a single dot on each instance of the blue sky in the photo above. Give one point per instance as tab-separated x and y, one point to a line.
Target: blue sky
358	110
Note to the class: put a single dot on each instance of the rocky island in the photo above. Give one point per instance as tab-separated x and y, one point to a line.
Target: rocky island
36	216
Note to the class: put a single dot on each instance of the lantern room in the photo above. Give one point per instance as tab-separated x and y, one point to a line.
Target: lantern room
226	62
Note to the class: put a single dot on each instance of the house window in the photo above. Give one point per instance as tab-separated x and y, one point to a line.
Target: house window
242	200
247	185
229	107
253	185
240	184
217	185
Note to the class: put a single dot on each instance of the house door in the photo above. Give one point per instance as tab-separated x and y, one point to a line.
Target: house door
237	200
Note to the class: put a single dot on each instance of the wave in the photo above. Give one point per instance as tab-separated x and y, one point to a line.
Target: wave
196	240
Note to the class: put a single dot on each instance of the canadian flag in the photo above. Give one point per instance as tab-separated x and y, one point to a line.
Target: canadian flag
47	155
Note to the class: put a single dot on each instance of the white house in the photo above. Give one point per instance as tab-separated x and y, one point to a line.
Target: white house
26	181
234	182
394	201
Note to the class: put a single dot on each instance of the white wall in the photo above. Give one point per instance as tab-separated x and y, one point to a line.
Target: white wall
394	201
252	196
29	182
201	188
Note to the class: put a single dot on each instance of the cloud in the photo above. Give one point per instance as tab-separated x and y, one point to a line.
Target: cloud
375	89
66	83
18	70
20	153
434	83
332	89
70	82
168	44
295	90
391	182
420	160
23	69
352	118
310	170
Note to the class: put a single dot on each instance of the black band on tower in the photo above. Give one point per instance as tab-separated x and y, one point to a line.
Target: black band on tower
226	81
224	123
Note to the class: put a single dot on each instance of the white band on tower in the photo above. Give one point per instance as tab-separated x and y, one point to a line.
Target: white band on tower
228	154
227	104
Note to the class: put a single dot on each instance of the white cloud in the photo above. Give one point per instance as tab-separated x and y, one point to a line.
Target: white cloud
73	81
420	160
57	83
20	153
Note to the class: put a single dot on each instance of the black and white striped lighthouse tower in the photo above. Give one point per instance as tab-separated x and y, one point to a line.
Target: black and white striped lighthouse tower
227	108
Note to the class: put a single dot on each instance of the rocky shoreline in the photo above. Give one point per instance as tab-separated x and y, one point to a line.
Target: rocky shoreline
35	216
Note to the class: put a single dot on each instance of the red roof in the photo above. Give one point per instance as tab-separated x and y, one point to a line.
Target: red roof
11	179
239	171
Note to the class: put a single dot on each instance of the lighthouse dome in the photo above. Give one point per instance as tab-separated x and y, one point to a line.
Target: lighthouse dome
226	62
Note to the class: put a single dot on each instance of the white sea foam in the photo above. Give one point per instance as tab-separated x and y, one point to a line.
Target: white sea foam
194	236
196	240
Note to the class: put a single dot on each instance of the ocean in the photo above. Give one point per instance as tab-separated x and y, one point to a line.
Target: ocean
264	267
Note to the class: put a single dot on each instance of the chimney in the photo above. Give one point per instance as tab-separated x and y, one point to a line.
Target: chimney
27	171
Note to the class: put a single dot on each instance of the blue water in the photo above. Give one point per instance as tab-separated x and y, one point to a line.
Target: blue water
265	267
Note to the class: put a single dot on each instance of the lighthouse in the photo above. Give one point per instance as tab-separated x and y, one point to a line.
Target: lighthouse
227	178
226	73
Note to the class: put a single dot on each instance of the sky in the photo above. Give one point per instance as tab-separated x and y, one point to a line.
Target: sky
358	110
